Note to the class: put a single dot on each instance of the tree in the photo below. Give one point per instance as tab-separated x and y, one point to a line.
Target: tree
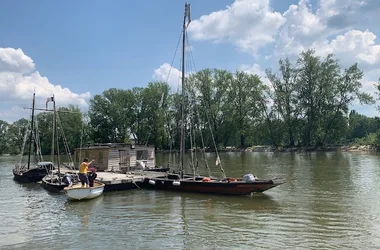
4	143
17	133
285	100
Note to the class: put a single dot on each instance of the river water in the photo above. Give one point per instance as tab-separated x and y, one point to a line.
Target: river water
330	201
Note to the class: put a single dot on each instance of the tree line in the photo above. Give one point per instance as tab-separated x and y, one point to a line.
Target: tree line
306	104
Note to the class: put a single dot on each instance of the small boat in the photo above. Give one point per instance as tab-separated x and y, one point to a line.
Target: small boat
56	183
32	174
77	192
28	172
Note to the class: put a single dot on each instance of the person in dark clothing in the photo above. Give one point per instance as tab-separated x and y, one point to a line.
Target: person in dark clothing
91	176
67	179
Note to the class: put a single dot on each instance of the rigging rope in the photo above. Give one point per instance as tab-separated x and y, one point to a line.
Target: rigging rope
65	143
207	117
38	142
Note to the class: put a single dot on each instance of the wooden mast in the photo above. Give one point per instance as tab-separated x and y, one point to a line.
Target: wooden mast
57	141
31	130
55	134
182	145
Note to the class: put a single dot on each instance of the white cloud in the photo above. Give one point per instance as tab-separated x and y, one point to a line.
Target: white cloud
168	74
14	60
346	28
256	69
249	24
353	46
17	87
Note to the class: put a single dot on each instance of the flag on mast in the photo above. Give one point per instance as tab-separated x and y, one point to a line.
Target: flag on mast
217	162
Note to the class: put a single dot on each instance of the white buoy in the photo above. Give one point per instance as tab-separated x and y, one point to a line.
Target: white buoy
176	183
152	182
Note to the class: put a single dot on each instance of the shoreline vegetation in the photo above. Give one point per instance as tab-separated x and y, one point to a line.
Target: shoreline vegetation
305	103
261	148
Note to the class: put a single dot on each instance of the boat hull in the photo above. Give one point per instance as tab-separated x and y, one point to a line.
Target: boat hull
52	184
119	187
31	175
157	169
76	192
211	187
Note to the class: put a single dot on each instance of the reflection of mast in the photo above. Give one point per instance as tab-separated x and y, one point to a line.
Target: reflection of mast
31	130
182	145
183	216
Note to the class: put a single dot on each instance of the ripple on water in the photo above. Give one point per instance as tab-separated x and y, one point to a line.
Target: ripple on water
322	207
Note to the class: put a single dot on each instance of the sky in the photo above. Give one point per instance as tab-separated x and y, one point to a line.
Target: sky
78	49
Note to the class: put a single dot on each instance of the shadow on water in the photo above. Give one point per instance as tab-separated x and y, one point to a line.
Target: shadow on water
254	202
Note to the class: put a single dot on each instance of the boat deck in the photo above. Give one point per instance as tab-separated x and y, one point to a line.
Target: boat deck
118	181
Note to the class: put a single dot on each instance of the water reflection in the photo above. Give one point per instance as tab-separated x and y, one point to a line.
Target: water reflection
330	201
84	211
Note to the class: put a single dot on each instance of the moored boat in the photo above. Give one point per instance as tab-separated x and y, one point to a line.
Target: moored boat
200	184
56	183
77	192
192	182
28	172
33	174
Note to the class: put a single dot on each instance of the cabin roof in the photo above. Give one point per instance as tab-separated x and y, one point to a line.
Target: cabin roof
111	145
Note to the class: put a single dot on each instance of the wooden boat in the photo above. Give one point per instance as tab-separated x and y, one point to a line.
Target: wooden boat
157	169
32	174
56	181
29	173
202	184
77	192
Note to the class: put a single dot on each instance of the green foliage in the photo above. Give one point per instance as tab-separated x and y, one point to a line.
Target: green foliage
4	143
306	104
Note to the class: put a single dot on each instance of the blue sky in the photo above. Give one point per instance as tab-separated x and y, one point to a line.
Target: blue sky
90	46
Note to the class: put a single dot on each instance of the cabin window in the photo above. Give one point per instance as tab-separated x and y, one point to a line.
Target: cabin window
142	155
100	157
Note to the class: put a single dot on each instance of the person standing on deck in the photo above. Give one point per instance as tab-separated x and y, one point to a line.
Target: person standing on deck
92	175
83	172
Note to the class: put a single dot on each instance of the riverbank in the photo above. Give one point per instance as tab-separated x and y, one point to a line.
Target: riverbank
261	148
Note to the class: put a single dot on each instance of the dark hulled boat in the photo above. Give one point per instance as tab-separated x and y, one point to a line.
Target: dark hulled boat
55	182
34	173
30	173
200	184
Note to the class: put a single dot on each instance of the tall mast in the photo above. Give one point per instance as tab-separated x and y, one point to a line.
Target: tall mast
55	134
182	145
31	130
56	137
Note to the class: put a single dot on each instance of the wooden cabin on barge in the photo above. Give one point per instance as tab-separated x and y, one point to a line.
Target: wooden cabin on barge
117	157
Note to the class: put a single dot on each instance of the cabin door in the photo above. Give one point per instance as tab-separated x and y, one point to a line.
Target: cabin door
124	160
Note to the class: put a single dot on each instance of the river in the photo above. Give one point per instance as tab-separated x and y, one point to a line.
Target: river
331	201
